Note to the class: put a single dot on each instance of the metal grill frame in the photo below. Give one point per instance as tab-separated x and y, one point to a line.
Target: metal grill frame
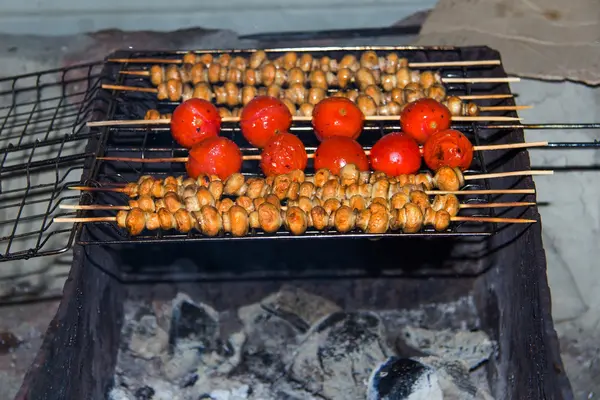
96	104
108	233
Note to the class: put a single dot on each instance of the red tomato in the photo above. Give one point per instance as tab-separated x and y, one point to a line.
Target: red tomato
193	121
449	148
396	154
335	152
282	154
215	155
422	118
263	117
337	116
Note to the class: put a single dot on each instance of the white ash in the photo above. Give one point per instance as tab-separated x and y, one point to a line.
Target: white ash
293	345
474	348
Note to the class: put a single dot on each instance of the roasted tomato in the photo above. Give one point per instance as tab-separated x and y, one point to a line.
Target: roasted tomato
263	117
396	154
335	152
193	121
449	148
424	117
283	153
337	116
215	155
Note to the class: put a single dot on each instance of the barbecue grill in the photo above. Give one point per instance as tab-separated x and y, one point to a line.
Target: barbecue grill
47	148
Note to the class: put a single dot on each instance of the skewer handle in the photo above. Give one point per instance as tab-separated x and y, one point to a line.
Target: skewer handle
511	173
492	219
510	146
91	207
483	191
85	219
481	80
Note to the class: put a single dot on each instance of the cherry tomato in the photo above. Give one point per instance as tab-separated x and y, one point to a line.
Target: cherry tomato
449	148
396	154
335	152
283	153
263	117
193	121
337	116
216	155
422	118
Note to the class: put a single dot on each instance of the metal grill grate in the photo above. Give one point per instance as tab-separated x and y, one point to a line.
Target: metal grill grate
156	142
43	149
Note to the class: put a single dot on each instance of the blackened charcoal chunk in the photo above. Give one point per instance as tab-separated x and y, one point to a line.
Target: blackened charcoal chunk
144	393
194	325
338	355
299	308
189	380
403	379
270	342
472	347
454	379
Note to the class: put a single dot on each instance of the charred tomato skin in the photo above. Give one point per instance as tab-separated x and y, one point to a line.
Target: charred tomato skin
449	148
262	118
214	156
282	154
193	121
337	116
335	152
424	117
396	154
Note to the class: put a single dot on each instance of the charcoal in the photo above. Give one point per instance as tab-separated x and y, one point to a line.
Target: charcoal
189	380
270	341
337	356
403	379
193	325
148	340
8	342
299	308
144	393
454	379
473	348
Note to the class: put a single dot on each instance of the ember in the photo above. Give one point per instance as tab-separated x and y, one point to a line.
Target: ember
296	345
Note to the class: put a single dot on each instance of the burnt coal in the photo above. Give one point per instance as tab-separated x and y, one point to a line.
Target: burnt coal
144	393
293	345
403	379
337	357
194	325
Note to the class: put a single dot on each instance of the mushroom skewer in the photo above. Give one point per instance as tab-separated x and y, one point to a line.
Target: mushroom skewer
296	184
307	62
376	219
270	73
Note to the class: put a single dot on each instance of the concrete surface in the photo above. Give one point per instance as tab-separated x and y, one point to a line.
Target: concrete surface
571	223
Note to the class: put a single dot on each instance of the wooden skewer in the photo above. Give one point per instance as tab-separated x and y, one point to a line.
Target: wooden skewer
482	80
429	192
463	97
167	121
435	64
457	219
101	207
505	174
258	157
492	219
486	96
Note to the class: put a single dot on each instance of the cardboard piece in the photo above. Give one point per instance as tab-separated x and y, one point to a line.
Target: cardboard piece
545	39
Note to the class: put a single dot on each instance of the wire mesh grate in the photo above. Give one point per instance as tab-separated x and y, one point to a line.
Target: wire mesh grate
44	146
155	142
